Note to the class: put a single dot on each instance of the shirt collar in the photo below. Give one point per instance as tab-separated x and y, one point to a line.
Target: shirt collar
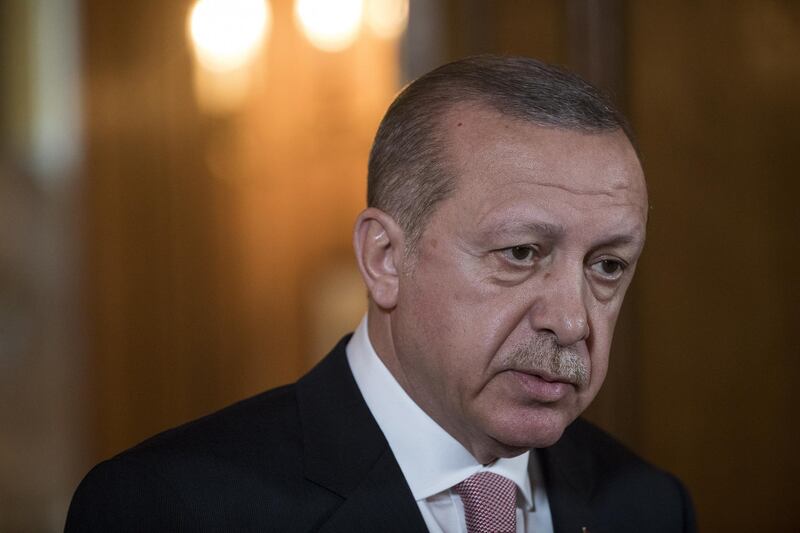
430	458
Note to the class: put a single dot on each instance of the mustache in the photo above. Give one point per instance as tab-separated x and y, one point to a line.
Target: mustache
544	355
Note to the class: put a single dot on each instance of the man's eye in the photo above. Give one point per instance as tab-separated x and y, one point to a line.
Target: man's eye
610	269
519	254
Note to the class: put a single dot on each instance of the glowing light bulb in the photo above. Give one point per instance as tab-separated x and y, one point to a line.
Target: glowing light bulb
330	25
227	34
387	18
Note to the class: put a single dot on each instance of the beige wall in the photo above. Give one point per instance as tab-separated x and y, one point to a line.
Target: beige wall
212	239
716	99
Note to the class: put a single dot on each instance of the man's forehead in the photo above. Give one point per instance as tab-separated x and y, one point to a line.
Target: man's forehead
512	176
486	148
483	143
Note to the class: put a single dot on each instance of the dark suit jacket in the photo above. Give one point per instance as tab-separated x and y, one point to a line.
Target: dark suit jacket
310	457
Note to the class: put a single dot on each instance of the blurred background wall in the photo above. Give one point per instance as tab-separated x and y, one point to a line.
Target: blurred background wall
175	217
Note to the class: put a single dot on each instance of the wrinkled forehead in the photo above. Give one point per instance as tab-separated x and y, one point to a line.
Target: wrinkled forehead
487	149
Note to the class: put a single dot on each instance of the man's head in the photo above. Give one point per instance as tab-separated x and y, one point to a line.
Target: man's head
507	213
408	168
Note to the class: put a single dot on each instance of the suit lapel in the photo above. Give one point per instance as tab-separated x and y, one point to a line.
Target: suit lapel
569	478
382	502
346	453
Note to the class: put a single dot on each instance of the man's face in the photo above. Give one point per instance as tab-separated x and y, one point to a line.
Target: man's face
503	327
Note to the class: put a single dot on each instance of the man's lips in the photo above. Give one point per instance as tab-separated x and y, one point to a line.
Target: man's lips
543	386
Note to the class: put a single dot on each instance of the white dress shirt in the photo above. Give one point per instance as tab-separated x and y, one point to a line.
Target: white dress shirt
431	460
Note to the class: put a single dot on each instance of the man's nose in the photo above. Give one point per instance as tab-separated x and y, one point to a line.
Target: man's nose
560	307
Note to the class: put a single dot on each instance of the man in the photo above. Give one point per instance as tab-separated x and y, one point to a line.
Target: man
507	212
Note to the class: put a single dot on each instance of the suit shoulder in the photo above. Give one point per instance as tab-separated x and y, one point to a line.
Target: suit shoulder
609	457
259	421
601	444
625	480
195	471
119	495
259	436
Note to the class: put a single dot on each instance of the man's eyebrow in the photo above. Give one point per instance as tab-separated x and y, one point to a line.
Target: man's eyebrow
544	229
620	239
554	232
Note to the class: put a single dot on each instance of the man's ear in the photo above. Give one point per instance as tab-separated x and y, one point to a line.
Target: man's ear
379	245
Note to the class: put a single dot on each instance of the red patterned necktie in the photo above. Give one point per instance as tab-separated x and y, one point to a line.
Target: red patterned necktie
489	503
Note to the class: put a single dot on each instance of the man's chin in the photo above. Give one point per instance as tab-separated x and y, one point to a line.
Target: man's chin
510	440
522	443
537	432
